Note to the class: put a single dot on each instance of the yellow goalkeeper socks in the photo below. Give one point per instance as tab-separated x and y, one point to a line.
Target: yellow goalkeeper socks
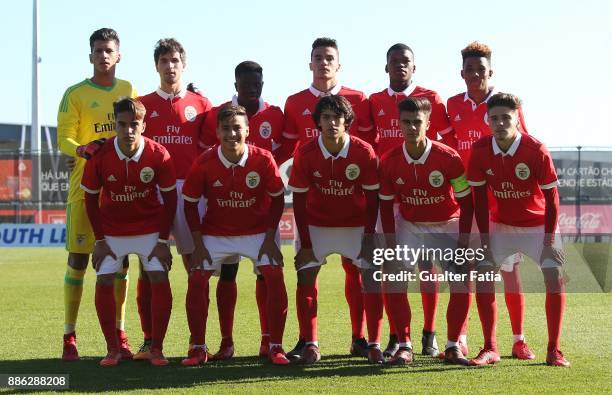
121	289
73	289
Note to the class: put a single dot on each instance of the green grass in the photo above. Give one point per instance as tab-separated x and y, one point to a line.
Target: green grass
31	321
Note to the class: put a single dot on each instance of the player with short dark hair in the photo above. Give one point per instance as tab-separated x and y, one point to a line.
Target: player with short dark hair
519	173
468	115
300	129
435	211
175	119
245	198
121	184
334	182
84	120
266	126
400	67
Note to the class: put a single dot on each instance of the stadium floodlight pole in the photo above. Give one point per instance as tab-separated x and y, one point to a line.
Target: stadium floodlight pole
35	140
578	197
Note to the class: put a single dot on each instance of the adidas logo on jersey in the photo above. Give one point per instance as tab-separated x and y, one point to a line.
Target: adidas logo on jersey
381	113
217	184
317	174
154	114
399	181
94	104
111	178
489	172
306	112
457	118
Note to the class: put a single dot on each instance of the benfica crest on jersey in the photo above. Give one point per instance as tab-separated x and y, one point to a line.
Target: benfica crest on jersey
146	174
252	179
522	171
265	129
352	171
436	178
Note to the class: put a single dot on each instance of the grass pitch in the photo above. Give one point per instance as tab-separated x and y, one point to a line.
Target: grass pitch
31	323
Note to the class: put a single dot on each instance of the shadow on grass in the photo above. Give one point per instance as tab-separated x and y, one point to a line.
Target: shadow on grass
87	376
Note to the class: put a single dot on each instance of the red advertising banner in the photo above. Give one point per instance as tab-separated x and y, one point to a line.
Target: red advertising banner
286	225
594	219
15	179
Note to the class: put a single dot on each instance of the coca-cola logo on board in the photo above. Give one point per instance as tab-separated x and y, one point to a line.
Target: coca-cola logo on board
588	221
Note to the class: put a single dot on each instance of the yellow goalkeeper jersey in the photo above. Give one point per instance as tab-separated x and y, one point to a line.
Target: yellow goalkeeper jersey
86	114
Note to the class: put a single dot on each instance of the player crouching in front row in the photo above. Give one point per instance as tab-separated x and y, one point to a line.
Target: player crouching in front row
435	213
245	203
519	172
334	182
129	218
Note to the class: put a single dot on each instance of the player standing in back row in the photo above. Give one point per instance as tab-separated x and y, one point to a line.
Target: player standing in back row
245	201
383	106
334	182
468	115
121	184
266	126
519	173
175	119
300	128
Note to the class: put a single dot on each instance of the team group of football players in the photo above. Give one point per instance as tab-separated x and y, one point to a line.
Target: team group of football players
400	162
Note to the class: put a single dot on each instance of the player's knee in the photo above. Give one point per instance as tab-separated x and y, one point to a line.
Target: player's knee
369	280
307	276
229	272
78	261
157	276
106	279
271	273
425	266
553	279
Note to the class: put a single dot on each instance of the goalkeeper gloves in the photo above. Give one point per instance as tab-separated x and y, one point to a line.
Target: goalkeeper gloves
88	150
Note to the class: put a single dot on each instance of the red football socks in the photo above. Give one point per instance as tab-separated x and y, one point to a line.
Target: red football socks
306	303
261	295
161	306
276	302
197	304
515	300
143	301
227	295
354	298
487	310
456	314
373	302
398	311
429	298
105	307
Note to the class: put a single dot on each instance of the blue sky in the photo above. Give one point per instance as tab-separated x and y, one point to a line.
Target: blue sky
555	55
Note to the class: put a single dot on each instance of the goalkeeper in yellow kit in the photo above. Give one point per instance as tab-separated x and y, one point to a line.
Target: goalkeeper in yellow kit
84	120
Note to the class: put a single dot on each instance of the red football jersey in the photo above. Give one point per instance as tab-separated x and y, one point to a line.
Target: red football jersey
337	198
129	204
300	107
266	126
238	195
469	121
426	187
383	106
515	178
177	122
